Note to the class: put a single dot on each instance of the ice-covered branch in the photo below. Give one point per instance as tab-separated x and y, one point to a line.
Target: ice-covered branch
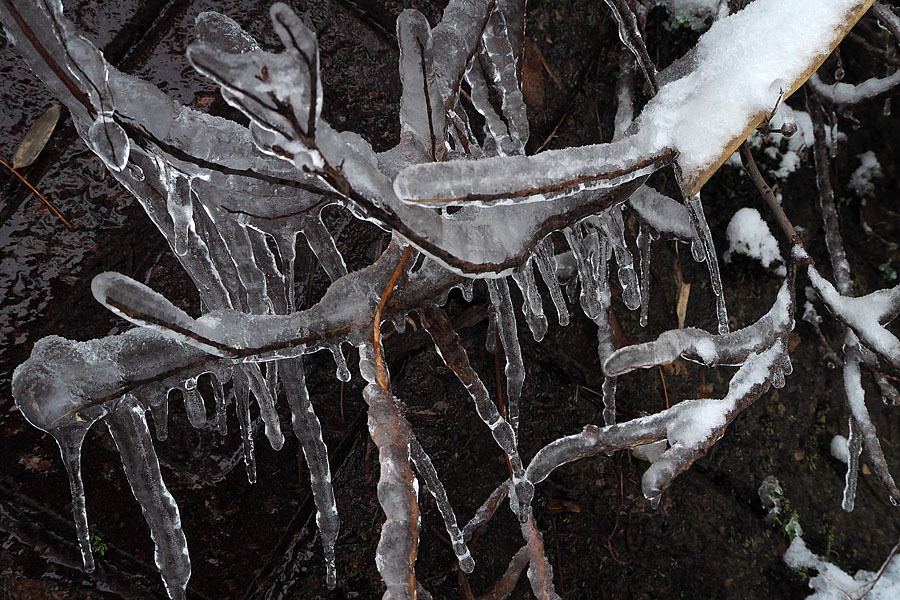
845	95
708	349
866	315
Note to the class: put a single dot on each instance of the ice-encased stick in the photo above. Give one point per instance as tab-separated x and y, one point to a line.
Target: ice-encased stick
398	545
704	347
451	351
421	105
426	470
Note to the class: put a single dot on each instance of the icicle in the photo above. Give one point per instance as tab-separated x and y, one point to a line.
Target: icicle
698	251
777	378
532	306
342	373
286	241
241	390
219	394
266	404
645	239
181	211
322	244
590	302
509	338
272	378
614	228
451	351
193	403
308	430
132	437
69	439
695	207
427	471
490	340
159	410
609	400
854	449
546	262
495	129
467	287
625	36
399	323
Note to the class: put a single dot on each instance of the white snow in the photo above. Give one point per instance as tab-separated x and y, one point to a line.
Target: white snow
749	235
869	169
832	583
742	66
839	449
695	13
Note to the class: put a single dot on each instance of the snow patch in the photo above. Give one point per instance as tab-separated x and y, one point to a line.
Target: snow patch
749	235
862	180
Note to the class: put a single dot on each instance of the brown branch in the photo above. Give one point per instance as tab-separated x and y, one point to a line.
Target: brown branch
768	195
504	586
380	370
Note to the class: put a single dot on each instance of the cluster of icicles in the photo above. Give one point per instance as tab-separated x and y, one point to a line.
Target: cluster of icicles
593	244
243	265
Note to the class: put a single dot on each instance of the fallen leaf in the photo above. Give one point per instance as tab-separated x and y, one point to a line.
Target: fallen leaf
684	292
36	463
36	138
558	505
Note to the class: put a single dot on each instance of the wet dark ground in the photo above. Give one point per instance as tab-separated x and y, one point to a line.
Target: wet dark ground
708	538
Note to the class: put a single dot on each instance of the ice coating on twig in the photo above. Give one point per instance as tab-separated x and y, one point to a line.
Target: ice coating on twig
397	487
502	68
865	315
498	138
706	348
427	472
132	437
701	422
859	412
538	178
663	214
264	84
453	354
847	95
421	105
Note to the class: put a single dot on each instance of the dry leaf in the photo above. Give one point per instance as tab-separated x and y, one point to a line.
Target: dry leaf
36	138
684	292
37	463
558	505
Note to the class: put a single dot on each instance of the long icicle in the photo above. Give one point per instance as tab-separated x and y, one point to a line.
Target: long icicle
509	338
308	430
129	431
427	471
